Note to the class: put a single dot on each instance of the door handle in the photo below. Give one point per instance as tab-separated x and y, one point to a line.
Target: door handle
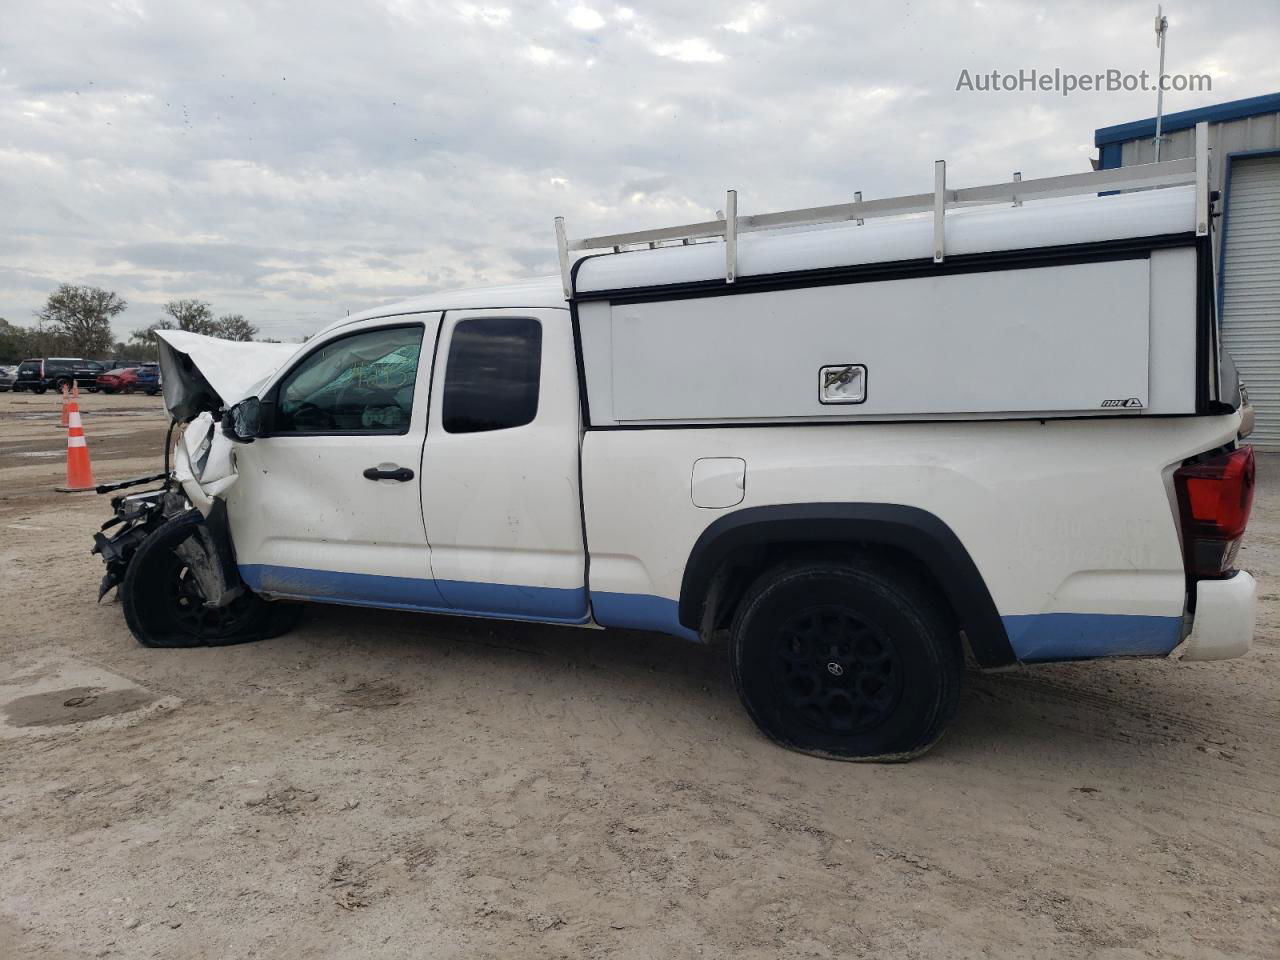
388	471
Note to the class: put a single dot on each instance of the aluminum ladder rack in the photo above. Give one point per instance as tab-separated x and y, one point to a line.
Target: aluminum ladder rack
1166	173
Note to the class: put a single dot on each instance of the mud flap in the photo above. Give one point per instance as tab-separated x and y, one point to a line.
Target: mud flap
216	567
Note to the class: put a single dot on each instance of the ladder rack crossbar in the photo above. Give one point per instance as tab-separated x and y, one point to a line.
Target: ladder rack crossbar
1141	176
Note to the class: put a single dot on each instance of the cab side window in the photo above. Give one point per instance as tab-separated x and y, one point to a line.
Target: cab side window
360	384
491	382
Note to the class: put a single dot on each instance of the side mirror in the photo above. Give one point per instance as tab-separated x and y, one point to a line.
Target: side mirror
243	421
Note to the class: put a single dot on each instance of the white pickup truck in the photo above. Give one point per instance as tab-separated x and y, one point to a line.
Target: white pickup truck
854	441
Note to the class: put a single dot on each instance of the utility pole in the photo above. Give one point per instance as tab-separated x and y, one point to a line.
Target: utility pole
1162	27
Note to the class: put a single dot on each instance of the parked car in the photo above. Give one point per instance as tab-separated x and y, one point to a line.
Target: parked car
119	380
851	454
87	374
149	378
53	373
8	374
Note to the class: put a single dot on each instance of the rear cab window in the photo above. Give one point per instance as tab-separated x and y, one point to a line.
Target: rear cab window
492	378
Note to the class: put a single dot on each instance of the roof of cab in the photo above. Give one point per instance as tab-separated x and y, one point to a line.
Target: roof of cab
540	293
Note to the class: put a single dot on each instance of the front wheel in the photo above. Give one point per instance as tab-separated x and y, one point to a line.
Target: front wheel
165	606
847	660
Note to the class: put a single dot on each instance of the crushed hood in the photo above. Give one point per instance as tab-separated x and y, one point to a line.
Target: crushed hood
207	374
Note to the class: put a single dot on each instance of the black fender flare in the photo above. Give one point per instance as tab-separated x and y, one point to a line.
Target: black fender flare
916	532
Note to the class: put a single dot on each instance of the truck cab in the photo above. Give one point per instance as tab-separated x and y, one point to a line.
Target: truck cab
424	461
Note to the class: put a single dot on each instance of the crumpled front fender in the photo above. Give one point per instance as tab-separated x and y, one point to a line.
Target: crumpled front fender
204	463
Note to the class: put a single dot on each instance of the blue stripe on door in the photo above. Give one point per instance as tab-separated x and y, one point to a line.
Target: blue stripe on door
331	586
505	601
561	605
1040	637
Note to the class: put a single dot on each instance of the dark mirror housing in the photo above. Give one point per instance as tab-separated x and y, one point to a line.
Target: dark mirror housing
243	421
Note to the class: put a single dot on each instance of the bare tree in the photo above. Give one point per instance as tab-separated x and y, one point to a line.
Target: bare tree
233	326
195	316
146	339
16	343
82	315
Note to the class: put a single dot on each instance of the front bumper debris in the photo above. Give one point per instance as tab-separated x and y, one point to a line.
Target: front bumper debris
136	516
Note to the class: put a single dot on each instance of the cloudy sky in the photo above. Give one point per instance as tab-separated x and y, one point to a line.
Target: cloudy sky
291	161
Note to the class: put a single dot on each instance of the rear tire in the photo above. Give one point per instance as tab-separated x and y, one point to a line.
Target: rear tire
39	388
847	660
164	607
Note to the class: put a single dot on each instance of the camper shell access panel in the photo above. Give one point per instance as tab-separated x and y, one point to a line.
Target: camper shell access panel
1097	306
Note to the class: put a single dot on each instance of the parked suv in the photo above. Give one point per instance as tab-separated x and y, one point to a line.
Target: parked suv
148	379
53	373
8	374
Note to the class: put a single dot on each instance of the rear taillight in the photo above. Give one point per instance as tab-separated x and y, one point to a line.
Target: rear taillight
1214	499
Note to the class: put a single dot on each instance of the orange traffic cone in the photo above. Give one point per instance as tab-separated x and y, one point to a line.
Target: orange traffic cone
79	473
66	405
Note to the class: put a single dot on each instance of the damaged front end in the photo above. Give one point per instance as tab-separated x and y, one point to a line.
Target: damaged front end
201	376
203	468
137	515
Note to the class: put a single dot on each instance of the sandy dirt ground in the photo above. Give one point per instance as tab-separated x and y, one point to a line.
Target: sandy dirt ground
390	785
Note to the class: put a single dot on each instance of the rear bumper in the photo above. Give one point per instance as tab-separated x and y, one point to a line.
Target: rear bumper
1223	626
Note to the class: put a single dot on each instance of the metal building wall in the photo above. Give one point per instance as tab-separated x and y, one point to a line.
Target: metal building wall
1234	136
1251	286
1245	168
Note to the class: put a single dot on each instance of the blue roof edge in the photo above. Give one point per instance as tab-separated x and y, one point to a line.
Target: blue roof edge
1184	119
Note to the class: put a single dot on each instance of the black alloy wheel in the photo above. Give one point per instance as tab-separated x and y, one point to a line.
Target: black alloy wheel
837	672
851	659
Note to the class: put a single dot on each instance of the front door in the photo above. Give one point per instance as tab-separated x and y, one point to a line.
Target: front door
326	507
500	490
